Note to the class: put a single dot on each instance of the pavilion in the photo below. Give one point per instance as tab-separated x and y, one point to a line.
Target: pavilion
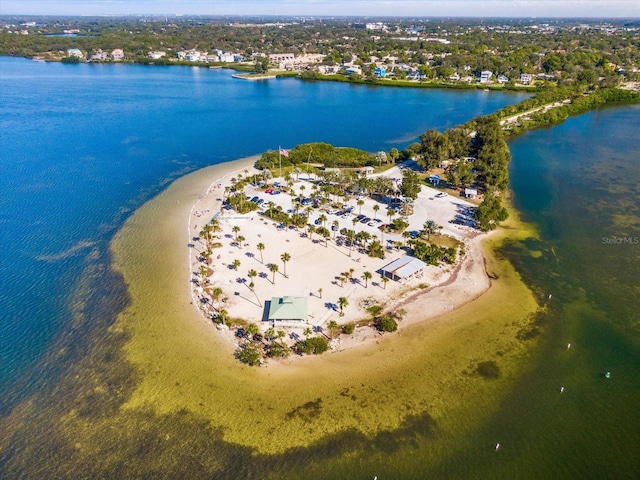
289	309
404	268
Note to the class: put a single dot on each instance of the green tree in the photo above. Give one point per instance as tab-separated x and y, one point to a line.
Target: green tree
260	248
435	148
342	303
366	276
250	353
332	326
273	268
235	264
285	257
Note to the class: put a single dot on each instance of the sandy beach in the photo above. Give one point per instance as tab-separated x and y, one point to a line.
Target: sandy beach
315	266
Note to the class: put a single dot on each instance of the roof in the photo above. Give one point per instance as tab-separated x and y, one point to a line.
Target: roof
404	267
288	308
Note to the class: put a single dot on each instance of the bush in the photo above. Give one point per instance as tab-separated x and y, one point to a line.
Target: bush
250	353
386	323
348	328
313	345
279	349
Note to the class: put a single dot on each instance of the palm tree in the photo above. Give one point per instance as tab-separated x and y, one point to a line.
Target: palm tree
342	303
366	276
235	264
252	329
311	229
270	334
215	294
273	268
307	332
360	203
376	207
385	280
240	240
320	292
430	227
223	315
405	235
260	248
390	212
351	235
323	219
203	272
235	230
341	279
285	257
332	325
251	274
335	224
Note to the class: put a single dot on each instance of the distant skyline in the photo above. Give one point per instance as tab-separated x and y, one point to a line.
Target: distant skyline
411	8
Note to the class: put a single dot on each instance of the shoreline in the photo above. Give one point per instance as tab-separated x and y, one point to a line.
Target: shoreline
182	362
447	290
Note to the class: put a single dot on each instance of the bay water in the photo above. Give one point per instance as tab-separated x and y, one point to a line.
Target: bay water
83	146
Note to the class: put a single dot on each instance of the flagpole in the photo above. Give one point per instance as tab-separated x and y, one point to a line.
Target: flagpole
280	158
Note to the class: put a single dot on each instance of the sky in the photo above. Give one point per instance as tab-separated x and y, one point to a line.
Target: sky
422	8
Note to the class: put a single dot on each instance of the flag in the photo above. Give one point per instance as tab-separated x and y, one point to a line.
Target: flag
284	152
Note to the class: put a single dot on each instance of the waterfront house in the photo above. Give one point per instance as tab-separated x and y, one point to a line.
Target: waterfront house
380	72
99	56
485	76
502	79
74	52
156	55
525	78
117	55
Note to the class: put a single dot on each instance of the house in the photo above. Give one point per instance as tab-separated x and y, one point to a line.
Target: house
455	77
380	72
99	56
366	171
434	179
281	57
525	78
156	54
74	52
485	76
502	79
470	192
193	56
403	268
117	55
290	309
353	69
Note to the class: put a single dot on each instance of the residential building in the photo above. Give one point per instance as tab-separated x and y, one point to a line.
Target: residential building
117	55
99	56
502	79
74	52
380	72
525	78
485	76
156	54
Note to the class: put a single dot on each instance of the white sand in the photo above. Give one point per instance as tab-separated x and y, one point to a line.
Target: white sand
313	265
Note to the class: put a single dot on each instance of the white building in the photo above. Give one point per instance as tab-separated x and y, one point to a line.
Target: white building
485	76
525	78
99	56
156	54
117	55
502	79
74	52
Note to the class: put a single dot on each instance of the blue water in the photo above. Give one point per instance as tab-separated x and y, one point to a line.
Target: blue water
81	146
